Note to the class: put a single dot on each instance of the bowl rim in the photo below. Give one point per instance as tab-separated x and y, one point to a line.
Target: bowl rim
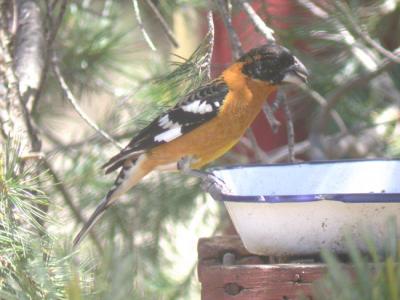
342	197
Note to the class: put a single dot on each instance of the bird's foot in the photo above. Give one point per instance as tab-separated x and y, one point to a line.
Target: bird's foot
214	186
209	182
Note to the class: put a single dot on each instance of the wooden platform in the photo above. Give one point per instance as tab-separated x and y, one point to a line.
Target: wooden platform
226	270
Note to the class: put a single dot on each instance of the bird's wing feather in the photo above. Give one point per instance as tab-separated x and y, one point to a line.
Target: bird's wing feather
198	107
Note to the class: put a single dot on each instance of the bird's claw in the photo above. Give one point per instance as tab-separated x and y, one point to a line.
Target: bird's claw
213	185
209	182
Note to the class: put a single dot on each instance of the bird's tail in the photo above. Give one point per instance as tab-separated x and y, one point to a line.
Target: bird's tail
100	209
129	176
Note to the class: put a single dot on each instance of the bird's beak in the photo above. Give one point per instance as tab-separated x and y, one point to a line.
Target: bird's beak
296	74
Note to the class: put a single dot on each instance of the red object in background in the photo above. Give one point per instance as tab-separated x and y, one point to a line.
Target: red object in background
250	38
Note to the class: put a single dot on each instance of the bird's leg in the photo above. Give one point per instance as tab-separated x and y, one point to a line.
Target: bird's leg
209	182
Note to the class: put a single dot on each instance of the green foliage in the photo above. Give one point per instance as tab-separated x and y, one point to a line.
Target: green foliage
29	268
376	274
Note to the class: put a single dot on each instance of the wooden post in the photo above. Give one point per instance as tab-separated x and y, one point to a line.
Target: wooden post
227	270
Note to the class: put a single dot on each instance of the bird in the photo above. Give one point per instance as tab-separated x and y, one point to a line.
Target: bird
204	124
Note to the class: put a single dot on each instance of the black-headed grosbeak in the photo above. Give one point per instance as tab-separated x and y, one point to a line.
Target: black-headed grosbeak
205	124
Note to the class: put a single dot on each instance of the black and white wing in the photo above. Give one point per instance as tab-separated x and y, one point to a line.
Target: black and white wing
195	109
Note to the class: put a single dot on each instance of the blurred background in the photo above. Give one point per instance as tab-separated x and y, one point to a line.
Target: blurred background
79	78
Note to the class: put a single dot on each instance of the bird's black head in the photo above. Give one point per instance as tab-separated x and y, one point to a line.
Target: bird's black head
274	64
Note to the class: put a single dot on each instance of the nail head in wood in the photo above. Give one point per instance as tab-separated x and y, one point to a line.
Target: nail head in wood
232	289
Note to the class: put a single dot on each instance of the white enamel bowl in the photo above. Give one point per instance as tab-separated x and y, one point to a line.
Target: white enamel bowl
296	209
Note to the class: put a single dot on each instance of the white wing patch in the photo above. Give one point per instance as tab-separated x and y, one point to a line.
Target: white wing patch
168	135
198	107
166	123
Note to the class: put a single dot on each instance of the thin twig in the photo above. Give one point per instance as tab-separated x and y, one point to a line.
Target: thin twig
280	154
269	115
94	138
314	9
260	154
52	30
69	202
210	37
269	111
164	23
233	37
317	97
141	26
276	103
71	98
14	23
56	25
36	143
257	21
289	128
